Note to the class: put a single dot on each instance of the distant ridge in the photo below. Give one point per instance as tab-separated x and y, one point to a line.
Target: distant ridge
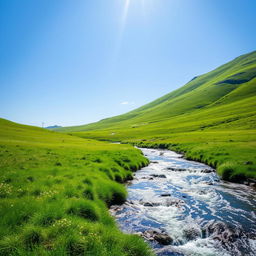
53	127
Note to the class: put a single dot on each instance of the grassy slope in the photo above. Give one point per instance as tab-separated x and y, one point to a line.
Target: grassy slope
54	193
212	119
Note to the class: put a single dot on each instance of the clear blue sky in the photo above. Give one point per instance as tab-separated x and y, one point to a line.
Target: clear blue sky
72	62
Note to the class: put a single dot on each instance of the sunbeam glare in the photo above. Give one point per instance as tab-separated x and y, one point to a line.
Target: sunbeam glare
129	8
143	5
125	12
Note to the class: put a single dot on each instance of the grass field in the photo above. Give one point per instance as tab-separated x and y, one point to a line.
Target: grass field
55	191
211	119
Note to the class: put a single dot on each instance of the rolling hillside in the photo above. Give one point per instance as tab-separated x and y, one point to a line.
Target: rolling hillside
212	119
229	83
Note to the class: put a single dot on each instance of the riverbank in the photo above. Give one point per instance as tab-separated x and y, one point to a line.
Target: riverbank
232	152
225	160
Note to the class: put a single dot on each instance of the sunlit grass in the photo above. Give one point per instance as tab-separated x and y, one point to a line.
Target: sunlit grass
55	191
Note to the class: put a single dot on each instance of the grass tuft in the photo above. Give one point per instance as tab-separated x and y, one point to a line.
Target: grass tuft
88	193
84	209
32	237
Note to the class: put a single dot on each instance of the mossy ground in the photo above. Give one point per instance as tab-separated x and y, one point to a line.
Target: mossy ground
55	191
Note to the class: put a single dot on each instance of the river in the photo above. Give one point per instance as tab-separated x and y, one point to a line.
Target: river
181	207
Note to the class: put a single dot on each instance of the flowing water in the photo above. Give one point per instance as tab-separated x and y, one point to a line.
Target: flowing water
186	202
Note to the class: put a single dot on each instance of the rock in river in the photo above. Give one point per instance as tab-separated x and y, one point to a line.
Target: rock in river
207	171
158	176
165	195
158	235
191	233
151	204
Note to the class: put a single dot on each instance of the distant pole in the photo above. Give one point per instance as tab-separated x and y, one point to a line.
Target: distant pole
42	124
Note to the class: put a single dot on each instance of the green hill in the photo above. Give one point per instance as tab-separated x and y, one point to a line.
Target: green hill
212	119
55	190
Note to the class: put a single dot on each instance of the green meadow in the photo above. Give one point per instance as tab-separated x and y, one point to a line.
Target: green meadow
56	187
211	119
55	190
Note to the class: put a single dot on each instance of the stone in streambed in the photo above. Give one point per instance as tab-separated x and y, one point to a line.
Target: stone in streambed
148	204
209	183
170	169
157	235
158	176
174	202
191	233
151	204
176	169
165	195
207	171
163	239
223	233
146	178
